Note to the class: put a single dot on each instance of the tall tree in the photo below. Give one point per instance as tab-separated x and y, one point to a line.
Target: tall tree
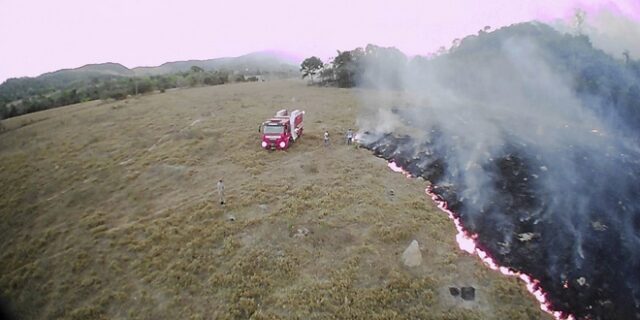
327	73
348	66
311	66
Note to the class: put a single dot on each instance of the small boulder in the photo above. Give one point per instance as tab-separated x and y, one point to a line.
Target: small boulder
411	257
468	293
301	233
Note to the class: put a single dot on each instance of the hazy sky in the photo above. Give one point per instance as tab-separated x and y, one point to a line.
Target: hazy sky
42	36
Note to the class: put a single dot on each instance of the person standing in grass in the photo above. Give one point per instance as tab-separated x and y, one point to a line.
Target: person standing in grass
349	136
326	138
221	191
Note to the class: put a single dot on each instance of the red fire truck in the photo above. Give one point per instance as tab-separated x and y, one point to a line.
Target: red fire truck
282	130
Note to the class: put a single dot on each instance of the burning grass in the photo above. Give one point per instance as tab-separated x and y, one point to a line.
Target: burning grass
109	211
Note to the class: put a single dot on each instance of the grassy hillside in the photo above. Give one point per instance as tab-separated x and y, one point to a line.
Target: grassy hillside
108	211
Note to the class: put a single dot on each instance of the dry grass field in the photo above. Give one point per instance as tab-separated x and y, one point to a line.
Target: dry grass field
108	210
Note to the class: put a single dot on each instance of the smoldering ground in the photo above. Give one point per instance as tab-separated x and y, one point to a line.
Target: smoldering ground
530	135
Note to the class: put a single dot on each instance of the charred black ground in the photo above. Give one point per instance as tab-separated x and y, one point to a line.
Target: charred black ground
521	232
531	136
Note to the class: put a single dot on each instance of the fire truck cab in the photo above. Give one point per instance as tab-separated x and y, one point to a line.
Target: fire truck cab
282	130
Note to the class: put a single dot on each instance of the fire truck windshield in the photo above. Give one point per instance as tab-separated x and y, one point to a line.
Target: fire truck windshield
273	129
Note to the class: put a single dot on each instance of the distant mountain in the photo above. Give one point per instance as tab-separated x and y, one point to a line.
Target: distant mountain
253	62
264	61
67	78
113	80
89	70
89	76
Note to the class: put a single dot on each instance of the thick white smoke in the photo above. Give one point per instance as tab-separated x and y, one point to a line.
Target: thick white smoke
609	31
509	93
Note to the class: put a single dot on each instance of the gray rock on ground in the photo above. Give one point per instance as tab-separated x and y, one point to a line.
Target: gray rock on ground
301	232
411	257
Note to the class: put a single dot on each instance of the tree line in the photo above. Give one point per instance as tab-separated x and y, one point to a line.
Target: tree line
356	67
26	95
610	85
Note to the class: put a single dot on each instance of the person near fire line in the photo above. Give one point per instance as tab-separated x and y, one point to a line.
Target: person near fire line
221	191
326	138
349	136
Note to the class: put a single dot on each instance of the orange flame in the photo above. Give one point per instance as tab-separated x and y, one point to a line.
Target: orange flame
467	242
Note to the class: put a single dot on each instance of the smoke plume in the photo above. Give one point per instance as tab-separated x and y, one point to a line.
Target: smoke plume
531	137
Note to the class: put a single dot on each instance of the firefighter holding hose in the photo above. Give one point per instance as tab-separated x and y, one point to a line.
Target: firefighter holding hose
349	136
